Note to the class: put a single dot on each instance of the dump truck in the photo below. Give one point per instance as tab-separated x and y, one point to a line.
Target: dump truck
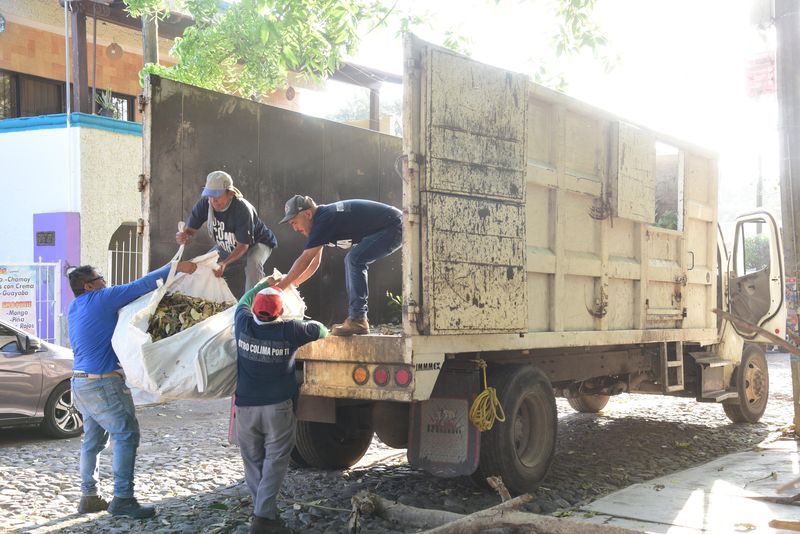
550	249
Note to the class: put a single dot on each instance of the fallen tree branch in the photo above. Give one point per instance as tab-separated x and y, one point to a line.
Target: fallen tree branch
366	504
497	484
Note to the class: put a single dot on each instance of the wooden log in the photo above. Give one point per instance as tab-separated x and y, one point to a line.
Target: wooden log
785	524
492	518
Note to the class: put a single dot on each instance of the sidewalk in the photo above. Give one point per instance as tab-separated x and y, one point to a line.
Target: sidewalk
711	498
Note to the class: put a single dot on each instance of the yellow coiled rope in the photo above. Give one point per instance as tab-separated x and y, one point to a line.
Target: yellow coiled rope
486	409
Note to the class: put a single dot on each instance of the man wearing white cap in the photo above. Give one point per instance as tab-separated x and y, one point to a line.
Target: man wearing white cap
265	386
240	237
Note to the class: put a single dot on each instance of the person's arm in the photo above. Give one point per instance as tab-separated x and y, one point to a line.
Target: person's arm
247	298
302	268
197	217
239	251
323	331
185	237
119	296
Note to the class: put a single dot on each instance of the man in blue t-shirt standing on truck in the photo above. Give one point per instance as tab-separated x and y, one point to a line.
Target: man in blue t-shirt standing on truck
265	387
98	385
375	229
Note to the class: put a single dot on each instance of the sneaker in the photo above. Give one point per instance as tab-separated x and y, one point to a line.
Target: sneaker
263	525
351	327
130	507
91	504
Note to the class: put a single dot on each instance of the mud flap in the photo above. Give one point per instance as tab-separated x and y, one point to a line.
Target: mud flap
443	441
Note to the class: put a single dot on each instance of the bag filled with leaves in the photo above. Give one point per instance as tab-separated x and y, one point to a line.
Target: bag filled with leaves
177	312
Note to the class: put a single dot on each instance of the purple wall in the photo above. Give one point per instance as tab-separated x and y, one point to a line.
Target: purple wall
57	237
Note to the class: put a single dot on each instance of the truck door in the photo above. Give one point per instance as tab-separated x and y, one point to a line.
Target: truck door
756	276
469	133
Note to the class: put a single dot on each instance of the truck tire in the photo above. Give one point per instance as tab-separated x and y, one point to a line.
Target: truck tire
390	420
751	378
334	446
588	403
521	449
296	460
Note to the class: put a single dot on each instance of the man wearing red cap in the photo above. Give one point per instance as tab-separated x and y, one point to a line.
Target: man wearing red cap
265	421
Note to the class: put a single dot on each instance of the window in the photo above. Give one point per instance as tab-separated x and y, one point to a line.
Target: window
669	187
753	249
9	106
22	95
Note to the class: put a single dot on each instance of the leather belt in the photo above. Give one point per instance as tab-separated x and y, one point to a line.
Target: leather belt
112	374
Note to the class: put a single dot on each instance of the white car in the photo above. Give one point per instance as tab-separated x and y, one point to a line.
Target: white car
35	384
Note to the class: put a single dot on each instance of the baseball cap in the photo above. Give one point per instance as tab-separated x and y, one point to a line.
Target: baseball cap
217	182
267	305
295	205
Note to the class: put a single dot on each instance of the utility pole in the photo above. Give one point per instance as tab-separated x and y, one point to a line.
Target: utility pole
787	25
150	39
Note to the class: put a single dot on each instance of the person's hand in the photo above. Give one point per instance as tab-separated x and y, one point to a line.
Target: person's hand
186	267
219	270
183	238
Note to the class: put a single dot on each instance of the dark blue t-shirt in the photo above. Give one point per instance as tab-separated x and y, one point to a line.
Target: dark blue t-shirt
239	222
350	219
265	361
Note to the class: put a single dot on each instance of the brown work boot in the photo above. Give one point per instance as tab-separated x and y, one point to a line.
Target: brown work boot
91	504
263	525
351	327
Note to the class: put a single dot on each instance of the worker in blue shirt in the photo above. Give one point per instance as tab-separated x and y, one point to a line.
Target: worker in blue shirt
98	385
375	230
265	386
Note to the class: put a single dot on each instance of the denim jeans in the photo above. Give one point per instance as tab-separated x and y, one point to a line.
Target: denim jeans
356	264
107	408
266	437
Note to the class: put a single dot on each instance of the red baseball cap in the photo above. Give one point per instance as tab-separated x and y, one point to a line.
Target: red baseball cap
267	305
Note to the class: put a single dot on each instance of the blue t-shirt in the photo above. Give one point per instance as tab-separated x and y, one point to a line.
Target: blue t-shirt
92	318
265	357
350	219
239	222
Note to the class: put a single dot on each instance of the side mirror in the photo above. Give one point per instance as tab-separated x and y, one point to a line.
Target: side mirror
32	344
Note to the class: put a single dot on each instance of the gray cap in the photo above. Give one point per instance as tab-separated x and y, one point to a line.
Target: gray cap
295	205
217	183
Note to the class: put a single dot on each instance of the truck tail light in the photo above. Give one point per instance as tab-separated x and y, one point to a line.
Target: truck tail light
360	375
381	376
402	377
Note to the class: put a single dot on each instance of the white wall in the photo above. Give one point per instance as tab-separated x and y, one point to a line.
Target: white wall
35	178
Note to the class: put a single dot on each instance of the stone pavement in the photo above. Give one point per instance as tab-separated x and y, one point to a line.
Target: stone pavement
186	468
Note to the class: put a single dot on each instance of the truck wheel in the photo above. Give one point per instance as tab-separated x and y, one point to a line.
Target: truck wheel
751	378
296	459
337	445
521	449
588	403
390	420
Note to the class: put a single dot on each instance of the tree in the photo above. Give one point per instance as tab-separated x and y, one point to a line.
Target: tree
756	253
250	47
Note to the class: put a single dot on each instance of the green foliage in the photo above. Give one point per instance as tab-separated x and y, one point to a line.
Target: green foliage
576	33
668	219
394	306
756	252
105	100
249	47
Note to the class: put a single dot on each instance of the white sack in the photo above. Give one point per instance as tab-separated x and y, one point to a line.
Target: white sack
167	368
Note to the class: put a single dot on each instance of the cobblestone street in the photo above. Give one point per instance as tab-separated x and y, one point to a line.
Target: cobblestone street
186	467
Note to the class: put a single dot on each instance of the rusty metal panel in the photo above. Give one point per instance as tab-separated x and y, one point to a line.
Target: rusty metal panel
473	212
272	154
635	185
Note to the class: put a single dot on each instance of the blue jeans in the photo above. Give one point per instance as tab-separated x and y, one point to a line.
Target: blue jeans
356	264
107	408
